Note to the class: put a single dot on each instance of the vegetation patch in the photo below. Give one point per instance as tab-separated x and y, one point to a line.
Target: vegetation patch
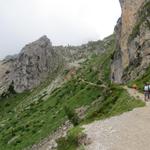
114	102
72	140
140	82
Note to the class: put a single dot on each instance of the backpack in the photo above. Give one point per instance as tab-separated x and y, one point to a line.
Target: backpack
146	88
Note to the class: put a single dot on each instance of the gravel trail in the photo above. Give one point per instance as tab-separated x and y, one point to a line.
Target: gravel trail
129	131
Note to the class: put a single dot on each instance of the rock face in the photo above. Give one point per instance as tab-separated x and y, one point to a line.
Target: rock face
132	56
6	70
33	65
30	67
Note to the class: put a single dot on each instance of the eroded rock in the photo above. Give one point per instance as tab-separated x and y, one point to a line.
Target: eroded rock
132	55
35	63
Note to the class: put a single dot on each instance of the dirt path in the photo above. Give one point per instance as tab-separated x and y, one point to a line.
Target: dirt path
129	131
93	84
136	94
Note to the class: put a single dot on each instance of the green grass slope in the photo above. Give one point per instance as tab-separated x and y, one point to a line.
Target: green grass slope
25	121
141	80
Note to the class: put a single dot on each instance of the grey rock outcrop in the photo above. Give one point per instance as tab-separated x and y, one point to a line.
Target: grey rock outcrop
36	62
33	65
5	71
132	55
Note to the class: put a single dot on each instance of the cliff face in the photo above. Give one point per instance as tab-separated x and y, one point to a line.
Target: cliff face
33	65
30	67
132	54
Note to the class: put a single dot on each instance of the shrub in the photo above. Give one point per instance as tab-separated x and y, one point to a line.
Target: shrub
72	116
71	141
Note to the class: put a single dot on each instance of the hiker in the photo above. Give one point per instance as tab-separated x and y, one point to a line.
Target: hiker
146	91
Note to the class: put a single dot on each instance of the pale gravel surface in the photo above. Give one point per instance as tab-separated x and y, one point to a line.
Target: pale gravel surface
129	131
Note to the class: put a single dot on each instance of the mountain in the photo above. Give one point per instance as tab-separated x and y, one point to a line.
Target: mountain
38	61
30	67
49	92
38	118
132	56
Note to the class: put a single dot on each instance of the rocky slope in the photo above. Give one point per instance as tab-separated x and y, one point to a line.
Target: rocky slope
39	60
132	56
30	67
39	112
74	53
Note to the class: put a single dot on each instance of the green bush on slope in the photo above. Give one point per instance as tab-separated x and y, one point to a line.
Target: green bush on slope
72	116
71	141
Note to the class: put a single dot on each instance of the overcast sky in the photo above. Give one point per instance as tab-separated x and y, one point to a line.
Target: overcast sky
64	21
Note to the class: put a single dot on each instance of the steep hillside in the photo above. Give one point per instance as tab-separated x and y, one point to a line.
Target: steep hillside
28	117
132	41
40	60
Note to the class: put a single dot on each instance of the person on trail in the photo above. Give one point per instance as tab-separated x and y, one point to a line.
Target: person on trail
146	91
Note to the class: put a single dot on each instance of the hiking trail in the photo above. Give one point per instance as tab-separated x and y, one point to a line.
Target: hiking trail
129	131
135	93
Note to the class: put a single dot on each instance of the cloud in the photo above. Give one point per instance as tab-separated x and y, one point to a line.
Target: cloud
63	21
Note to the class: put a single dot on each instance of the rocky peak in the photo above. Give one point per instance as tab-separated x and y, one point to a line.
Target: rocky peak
36	46
36	62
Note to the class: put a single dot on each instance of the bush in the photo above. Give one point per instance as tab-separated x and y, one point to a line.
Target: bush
7	105
72	116
71	141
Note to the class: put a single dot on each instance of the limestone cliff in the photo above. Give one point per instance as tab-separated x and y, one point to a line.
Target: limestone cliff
30	67
132	56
